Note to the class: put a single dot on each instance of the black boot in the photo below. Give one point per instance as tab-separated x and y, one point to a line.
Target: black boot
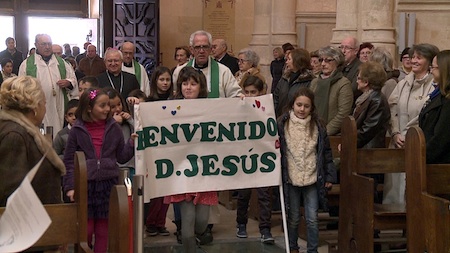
205	238
178	233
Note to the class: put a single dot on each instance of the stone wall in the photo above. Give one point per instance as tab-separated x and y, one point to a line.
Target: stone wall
179	18
265	24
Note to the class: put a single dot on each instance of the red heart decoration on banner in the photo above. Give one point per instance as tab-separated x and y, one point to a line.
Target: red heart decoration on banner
258	103
277	144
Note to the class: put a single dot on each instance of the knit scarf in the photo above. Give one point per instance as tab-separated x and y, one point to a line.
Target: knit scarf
301	151
41	142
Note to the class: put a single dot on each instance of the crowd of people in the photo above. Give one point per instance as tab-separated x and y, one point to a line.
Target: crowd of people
86	98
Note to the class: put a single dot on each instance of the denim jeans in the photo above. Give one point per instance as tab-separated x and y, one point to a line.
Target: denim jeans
307	195
265	211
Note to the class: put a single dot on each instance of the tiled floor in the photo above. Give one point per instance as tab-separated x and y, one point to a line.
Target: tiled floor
225	240
242	247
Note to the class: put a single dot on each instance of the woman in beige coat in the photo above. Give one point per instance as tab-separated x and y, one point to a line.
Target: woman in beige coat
248	62
406	102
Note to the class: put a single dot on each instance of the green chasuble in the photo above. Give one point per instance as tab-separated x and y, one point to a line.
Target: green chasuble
32	71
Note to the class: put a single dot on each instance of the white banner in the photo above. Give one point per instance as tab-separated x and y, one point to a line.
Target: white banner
202	145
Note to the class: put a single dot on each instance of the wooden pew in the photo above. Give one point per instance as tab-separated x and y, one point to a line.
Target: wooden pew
428	216
359	216
119	220
333	194
69	221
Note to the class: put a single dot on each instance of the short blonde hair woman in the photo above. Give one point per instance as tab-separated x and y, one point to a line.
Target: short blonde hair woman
21	143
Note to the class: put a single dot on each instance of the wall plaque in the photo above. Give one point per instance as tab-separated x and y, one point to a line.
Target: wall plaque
219	19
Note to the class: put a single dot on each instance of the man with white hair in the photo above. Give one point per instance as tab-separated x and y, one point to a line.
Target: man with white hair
219	52
220	80
57	78
114	77
132	66
57	50
350	48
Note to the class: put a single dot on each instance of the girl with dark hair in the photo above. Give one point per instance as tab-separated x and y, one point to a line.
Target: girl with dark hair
253	87
190	84
7	68
161	87
195	206
307	165
98	135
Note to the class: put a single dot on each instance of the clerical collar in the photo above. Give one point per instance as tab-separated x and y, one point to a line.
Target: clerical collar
112	74
200	67
128	65
45	58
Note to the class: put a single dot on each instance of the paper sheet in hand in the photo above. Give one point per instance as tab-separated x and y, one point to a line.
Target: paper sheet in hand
25	219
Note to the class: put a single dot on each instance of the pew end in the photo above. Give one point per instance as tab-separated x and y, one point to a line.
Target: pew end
427	193
359	215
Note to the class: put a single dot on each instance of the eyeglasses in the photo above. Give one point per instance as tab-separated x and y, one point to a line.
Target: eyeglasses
327	60
342	47
113	61
434	67
45	44
365	53
242	60
204	47
405	57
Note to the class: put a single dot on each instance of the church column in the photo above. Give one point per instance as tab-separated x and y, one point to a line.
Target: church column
377	24
347	20
274	25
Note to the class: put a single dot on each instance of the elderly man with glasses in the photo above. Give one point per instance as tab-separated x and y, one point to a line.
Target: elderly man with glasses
220	80
57	78
350	48
114	77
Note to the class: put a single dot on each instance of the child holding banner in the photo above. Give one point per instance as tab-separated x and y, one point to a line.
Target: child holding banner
98	135
307	165
253	86
194	206
161	88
